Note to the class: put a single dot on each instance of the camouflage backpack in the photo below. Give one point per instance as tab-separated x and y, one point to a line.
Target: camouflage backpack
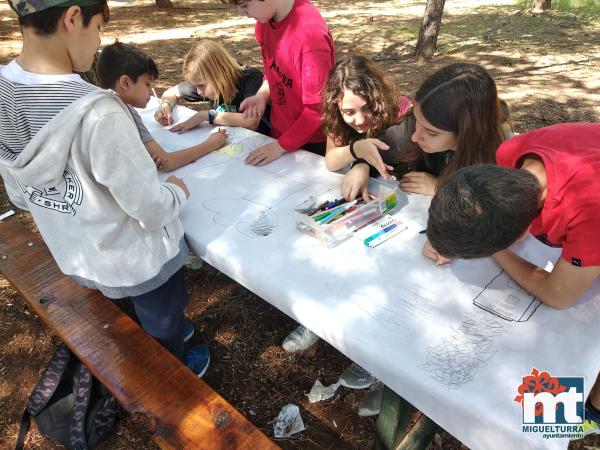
70	405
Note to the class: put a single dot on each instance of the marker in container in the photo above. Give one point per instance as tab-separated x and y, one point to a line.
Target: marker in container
318	208
337	211
355	221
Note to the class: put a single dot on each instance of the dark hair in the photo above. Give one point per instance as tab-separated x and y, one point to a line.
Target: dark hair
364	78
462	98
45	22
236	2
404	155
481	209
123	59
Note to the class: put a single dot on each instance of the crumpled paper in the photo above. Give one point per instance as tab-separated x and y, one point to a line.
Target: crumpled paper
288	422
320	392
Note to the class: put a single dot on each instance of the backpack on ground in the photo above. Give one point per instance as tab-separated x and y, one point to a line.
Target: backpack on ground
69	405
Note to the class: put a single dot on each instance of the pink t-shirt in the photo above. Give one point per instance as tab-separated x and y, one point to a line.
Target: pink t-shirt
298	54
570	217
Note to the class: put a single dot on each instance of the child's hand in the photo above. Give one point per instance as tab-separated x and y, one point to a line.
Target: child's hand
217	139
254	107
192	122
178	182
368	149
164	114
265	154
356	182
431	253
419	183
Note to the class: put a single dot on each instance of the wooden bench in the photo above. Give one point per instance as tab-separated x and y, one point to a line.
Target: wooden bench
140	373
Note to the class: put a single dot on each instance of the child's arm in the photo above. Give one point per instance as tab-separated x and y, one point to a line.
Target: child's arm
166	162
367	149
559	288
232	119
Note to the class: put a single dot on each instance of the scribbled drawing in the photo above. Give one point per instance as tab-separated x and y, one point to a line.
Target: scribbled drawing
400	312
260	223
250	219
503	298
231	150
457	359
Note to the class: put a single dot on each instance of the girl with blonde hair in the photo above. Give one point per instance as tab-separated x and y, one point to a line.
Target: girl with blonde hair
212	74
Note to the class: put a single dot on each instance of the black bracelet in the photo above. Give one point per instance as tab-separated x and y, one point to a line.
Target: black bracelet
360	161
352	151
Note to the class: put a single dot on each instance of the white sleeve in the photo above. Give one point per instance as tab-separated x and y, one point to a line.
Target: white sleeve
120	162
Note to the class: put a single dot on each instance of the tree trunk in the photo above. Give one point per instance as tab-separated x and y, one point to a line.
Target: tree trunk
430	29
541	5
164	4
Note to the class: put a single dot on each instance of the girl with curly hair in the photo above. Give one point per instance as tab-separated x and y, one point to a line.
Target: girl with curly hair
362	109
455	121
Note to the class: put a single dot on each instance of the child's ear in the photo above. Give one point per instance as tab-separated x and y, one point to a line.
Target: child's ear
124	82
71	17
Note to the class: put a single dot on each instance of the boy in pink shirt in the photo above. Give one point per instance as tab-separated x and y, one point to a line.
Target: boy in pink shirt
298	53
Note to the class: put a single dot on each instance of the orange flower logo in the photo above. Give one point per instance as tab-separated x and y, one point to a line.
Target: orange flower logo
536	383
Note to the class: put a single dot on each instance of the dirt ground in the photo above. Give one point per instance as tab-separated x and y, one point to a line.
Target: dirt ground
546	67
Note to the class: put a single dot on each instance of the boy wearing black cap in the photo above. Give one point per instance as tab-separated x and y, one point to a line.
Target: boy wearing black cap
71	155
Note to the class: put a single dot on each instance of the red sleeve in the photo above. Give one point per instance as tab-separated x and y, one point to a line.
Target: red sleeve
317	61
581	246
304	128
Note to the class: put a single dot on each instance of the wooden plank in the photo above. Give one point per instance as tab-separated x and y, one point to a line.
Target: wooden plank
140	373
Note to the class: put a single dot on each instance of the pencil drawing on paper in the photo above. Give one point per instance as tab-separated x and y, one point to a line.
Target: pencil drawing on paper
457	359
503	298
250	219
400	313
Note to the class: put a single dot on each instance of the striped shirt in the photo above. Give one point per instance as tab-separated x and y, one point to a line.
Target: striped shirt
28	101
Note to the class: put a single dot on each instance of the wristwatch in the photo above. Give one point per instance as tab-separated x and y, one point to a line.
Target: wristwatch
212	115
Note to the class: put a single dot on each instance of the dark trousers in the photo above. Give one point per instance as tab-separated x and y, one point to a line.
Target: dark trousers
161	313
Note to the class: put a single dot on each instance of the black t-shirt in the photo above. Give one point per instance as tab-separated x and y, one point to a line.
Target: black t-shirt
248	85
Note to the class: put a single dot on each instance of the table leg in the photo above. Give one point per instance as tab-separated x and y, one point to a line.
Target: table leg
393	419
420	435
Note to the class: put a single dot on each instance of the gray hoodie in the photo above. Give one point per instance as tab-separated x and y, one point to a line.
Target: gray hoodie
95	196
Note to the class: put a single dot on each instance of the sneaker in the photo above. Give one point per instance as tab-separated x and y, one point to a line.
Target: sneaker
355	377
370	404
193	262
197	359
188	330
299	339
